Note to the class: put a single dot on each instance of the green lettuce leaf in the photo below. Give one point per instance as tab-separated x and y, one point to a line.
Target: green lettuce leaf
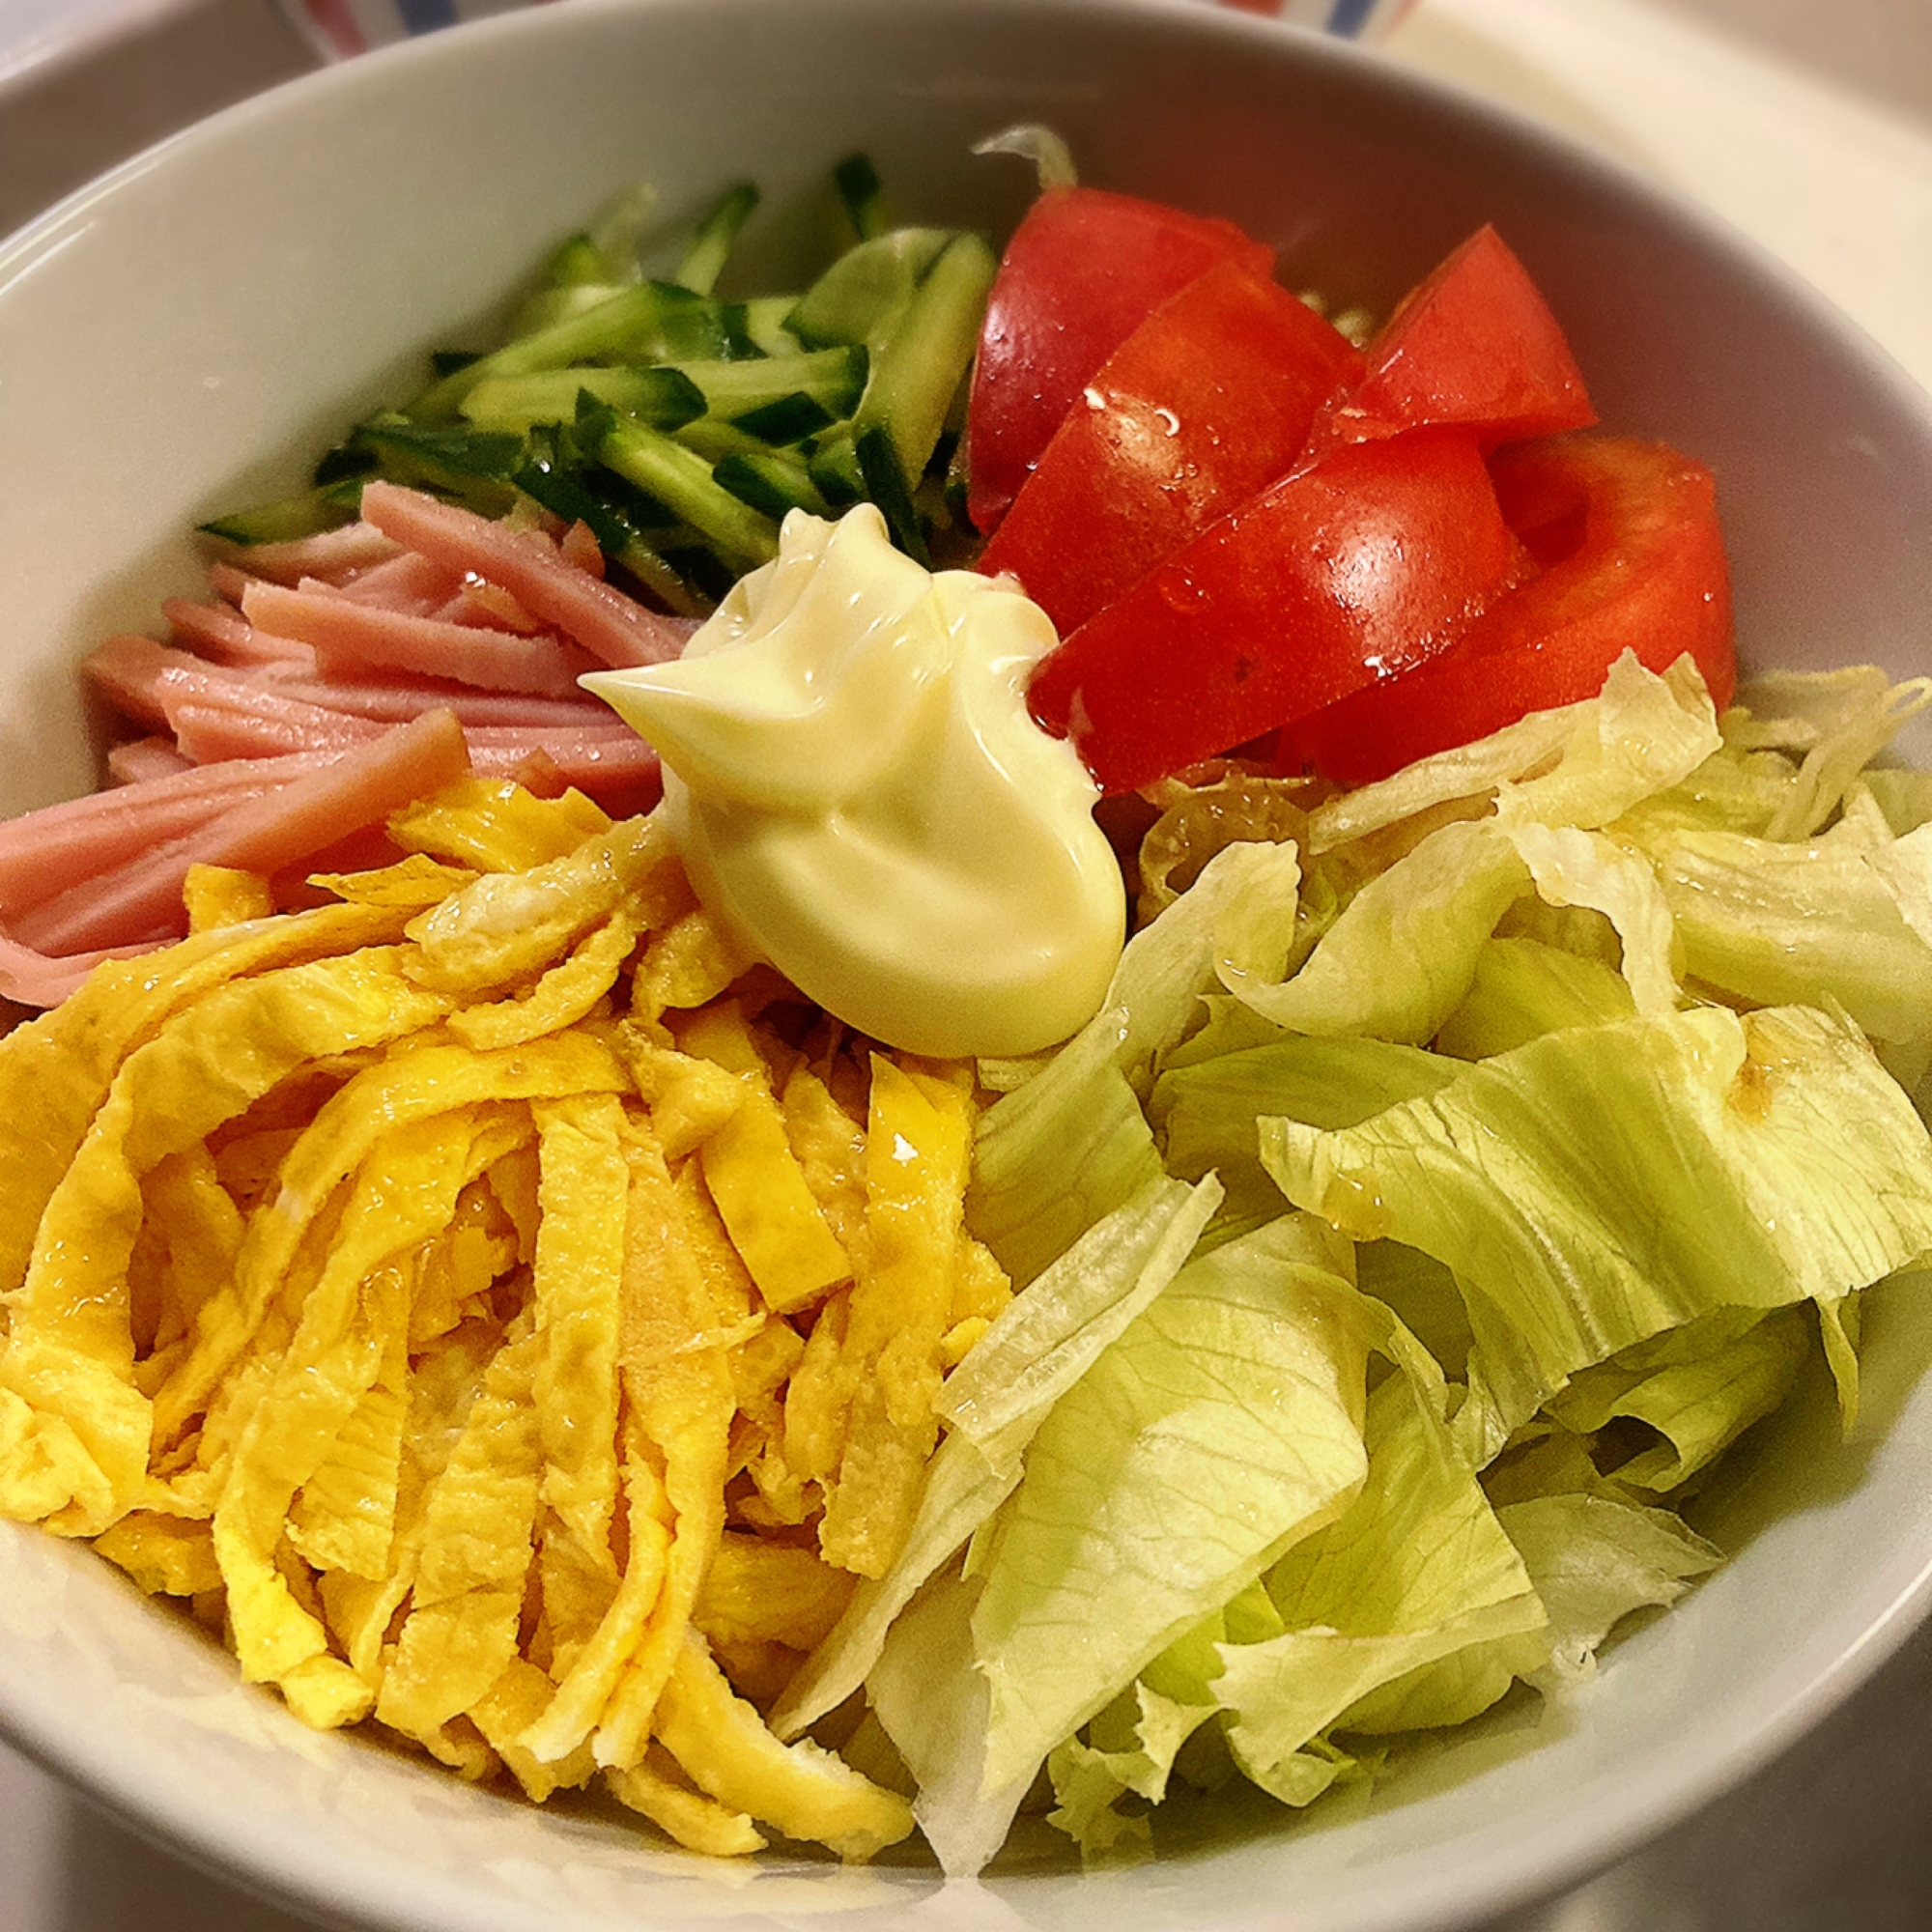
1204	1112
1600	1185
1400	958
1071	1143
1593	1561
1833	919
1412	1608
1904	798
1583	764
1699	1387
1835	722
1573	868
1522	989
934	1706
1224	1424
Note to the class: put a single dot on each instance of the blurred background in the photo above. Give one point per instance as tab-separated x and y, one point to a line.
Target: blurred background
1809	127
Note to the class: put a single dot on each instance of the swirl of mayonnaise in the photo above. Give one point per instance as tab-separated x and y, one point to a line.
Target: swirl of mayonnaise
858	793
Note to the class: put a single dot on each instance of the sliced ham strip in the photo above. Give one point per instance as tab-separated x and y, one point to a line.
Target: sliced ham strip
59	846
334	556
228	582
615	629
31	978
406	581
615	768
579	547
144	759
152	682
196	781
217	729
126	672
220	632
346	633
394	702
262	835
538	774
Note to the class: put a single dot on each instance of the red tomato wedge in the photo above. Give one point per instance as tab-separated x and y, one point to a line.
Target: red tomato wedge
1083	270
1206	401
1627	533
1473	343
1372	561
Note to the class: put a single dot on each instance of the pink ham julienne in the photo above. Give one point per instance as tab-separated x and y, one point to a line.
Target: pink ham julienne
336	678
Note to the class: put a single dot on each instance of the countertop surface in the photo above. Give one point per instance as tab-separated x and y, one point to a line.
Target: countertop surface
1807	128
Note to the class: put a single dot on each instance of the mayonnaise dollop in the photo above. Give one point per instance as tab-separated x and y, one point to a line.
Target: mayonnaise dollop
857	791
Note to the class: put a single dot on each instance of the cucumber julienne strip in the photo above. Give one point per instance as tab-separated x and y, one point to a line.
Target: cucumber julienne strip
679	428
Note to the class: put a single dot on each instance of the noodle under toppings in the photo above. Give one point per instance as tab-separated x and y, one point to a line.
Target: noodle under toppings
505	1313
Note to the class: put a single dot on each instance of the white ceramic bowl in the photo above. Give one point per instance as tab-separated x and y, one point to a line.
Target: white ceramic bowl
189	334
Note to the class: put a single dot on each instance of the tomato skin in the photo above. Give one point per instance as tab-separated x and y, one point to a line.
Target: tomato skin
1634	559
1375	557
1206	401
1472	343
1083	270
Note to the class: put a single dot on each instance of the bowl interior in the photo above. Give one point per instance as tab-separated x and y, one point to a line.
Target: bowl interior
192	332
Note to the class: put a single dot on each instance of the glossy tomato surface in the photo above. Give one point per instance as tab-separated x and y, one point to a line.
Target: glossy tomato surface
1208	401
1474	344
1632	559
1372	561
1083	270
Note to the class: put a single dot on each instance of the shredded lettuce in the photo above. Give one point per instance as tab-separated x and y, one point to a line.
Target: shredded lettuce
1413	1609
1225	1424
1593	1560
1600	1185
1458	1169
1071	1146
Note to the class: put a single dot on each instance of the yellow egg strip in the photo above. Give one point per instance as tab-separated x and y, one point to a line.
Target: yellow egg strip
198	1229
166	1558
410	1087
725	1747
598	1669
62	1064
758	1592
564	995
829	1148
917	1144
220	895
510	926
506	1711
578	1283
462	1631
692	961
344	1517
443	1385
494	825
412	884
678	1391
700	1823
406	1191
757	1181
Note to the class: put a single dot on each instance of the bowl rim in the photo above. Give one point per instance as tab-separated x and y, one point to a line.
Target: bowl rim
1511	1867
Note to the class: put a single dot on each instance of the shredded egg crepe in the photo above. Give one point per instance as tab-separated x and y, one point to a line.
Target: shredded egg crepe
504	1312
